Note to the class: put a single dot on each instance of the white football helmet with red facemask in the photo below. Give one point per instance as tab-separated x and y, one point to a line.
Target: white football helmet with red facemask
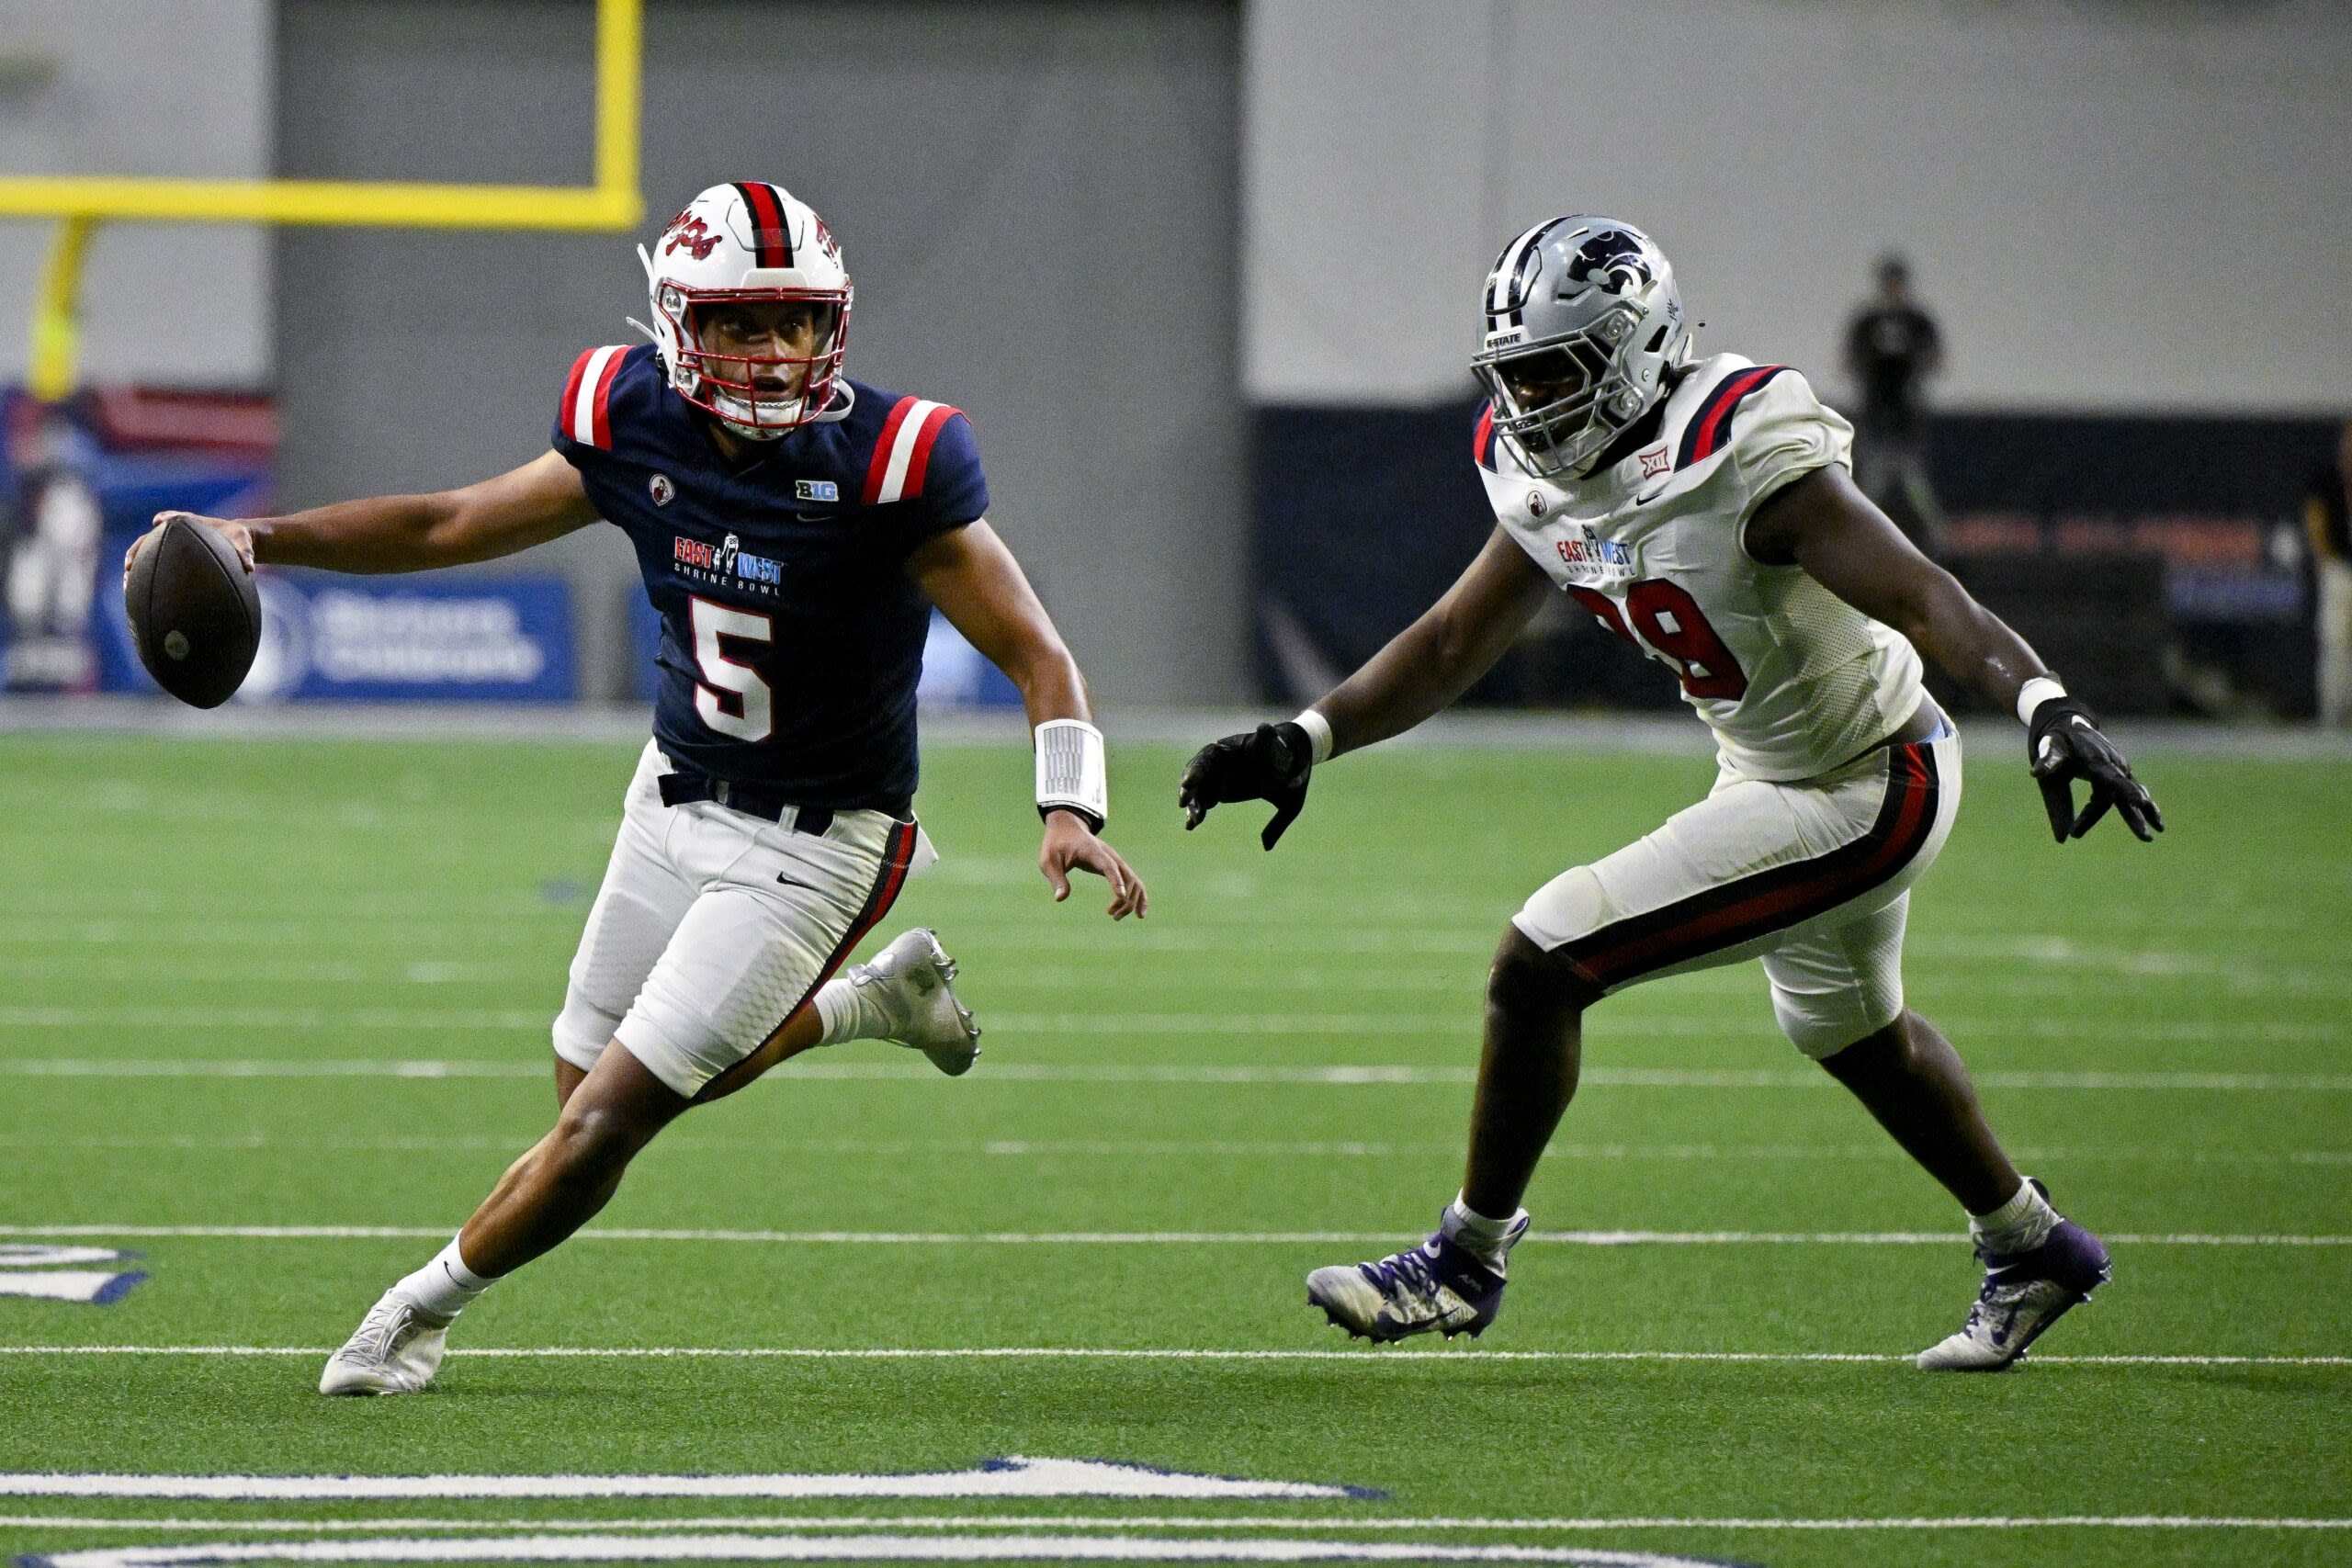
749	242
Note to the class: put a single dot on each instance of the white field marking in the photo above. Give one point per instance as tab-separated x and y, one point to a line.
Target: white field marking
324	1019
328	935
427	1142
84	967
1014	1476
265	1068
739	1548
1152	1238
1367	1359
1099	1025
36	1256
1220	1523
1039	1072
90	1287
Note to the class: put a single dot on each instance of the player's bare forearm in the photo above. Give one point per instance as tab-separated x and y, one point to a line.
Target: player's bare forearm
541	501
1426	667
1823	523
976	583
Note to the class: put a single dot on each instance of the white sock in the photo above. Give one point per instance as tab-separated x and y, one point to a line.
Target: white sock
1485	1239
445	1286
2018	1225
848	1012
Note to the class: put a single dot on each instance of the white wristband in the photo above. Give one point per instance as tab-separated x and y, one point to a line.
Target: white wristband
2035	692
1071	771
1318	734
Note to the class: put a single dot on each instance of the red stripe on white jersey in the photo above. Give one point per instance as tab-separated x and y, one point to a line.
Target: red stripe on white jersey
933	423
587	417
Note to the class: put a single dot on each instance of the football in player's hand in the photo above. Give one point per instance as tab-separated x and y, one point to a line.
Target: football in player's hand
195	613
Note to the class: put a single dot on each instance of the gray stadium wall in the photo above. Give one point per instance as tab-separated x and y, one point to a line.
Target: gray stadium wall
1036	201
2129	215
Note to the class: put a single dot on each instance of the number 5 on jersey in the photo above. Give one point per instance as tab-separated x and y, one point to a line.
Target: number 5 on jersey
730	696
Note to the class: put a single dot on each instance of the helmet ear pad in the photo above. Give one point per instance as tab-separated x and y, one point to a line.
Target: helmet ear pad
1589	292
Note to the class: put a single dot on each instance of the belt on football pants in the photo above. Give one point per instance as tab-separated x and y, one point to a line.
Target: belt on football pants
750	799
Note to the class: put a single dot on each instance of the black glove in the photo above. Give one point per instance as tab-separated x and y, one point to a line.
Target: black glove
2064	744
1271	764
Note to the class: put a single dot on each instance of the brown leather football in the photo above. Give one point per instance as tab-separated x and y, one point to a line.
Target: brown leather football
195	613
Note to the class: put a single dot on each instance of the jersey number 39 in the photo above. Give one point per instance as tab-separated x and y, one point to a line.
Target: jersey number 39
1671	627
730	697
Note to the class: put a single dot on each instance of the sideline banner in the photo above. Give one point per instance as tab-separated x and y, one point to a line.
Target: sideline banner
452	637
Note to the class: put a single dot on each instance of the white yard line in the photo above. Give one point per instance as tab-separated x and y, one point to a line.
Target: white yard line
1148	1238
742	1548
1352	1025
1369	1074
1365	1357
1192	1522
1017	1148
1012	1477
945	1547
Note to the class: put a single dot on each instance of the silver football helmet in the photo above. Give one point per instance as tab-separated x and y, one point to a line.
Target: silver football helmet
1583	322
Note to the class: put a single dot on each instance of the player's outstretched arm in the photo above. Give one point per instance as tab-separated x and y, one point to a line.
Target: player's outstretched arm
1419	673
541	501
1823	523
981	590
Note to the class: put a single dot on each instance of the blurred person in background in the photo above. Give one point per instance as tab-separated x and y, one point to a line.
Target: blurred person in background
1892	347
2327	515
52	555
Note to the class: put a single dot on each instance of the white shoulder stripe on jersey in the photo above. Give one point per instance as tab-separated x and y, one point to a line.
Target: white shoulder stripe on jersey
584	402
902	451
1507	268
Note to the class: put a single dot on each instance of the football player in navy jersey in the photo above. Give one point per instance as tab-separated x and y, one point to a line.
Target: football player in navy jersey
794	529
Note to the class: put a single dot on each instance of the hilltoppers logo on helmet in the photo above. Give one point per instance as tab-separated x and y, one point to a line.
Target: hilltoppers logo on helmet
750	242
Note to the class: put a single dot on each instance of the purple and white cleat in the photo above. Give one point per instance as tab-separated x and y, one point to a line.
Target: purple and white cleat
1438	1286
2024	1293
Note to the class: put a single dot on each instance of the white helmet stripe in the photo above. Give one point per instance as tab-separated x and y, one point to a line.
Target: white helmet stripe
1507	268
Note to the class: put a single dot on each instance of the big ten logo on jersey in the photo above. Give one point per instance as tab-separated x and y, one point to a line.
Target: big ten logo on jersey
1591	559
724	565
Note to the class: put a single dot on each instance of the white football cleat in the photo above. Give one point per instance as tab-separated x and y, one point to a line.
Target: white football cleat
396	1350
908	984
2024	1293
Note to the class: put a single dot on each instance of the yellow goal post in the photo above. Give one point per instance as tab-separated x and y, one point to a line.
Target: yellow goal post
78	203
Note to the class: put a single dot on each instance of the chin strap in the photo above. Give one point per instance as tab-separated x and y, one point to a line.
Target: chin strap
844	399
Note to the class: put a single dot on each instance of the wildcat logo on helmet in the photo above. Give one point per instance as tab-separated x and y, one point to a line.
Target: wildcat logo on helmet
1612	262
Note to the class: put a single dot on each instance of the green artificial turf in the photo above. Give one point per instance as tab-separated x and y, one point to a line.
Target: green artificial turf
2161	1031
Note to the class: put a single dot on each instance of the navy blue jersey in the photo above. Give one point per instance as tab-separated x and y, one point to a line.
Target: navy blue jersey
791	635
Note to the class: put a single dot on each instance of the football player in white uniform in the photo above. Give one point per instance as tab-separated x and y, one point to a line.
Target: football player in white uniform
1703	509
